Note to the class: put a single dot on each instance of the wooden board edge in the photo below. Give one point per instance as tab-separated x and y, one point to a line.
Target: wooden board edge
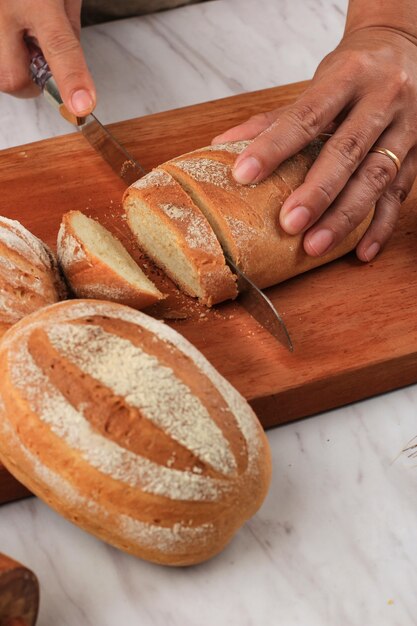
337	391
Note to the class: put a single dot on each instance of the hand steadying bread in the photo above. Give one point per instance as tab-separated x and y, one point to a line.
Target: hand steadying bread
196	193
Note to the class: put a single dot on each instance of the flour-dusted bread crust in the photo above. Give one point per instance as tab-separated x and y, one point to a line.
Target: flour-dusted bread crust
97	265
29	276
122	426
245	218
175	234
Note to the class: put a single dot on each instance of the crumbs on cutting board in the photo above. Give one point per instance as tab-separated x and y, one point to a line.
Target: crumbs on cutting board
177	306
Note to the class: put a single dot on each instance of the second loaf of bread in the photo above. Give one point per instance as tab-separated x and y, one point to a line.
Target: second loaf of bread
122	426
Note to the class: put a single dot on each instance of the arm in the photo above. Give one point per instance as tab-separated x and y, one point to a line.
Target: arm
365	92
56	26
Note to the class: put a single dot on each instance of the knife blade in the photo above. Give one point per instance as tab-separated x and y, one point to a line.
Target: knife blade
119	159
99	137
258	305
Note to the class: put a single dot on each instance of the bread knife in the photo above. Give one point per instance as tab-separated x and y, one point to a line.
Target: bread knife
259	306
119	159
126	167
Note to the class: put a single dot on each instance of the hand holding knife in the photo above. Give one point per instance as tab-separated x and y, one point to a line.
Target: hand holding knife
126	167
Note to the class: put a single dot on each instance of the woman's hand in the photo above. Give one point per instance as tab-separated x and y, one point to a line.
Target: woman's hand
56	26
365	92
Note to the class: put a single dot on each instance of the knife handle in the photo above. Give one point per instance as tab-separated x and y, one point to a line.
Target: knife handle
42	77
39	68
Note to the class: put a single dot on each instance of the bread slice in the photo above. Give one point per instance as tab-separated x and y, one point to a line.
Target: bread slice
175	234
29	276
246	218
97	265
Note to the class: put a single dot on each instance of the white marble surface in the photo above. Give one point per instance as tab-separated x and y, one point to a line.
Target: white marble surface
335	543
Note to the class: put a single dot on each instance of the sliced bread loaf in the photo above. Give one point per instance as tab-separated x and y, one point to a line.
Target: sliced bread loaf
246	218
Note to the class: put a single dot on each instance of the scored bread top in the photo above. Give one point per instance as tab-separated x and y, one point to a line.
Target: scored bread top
245	218
29	276
107	406
175	234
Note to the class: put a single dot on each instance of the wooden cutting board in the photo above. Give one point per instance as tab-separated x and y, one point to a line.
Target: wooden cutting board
354	326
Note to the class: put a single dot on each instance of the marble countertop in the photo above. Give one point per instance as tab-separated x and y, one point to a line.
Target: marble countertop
335	542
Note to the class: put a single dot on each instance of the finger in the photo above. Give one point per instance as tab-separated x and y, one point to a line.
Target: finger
14	65
64	54
292	131
249	129
338	159
354	203
73	10
387	210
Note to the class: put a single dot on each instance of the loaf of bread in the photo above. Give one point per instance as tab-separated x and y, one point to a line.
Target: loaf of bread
178	238
245	218
97	265
122	426
29	276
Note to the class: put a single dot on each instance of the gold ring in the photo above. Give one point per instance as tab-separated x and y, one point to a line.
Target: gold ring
389	154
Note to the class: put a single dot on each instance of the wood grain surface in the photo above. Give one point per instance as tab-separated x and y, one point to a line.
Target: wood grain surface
19	594
353	325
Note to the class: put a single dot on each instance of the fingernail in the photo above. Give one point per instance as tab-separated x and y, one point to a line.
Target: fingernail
321	241
372	251
81	101
297	219
247	170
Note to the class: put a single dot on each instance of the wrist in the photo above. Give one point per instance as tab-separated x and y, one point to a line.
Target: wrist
396	16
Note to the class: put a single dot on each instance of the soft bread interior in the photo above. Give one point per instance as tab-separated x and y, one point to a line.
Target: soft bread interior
102	244
162	245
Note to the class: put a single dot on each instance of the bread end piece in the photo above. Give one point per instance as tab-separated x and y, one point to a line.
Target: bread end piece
97	265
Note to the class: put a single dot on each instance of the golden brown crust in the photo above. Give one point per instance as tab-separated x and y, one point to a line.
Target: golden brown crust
4	328
90	277
246	218
29	276
171	207
137	439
